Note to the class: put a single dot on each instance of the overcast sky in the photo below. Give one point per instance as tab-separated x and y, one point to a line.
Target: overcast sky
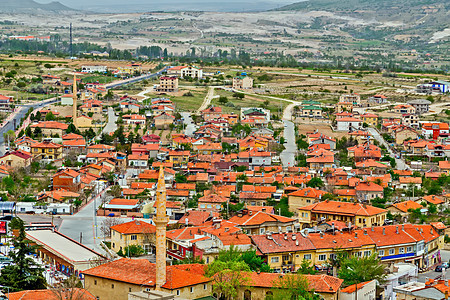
173	5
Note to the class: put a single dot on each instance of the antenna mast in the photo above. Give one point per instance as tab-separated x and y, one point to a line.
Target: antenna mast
71	48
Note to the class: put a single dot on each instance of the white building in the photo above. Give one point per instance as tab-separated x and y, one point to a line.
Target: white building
349	124
365	290
185	71
67	99
94	69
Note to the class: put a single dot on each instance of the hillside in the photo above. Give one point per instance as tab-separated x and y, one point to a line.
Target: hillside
30	6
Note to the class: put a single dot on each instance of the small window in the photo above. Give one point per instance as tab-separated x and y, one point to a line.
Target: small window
367	253
95	282
192	289
178	292
129	290
112	285
133	237
322	257
381	253
307	256
409	249
274	259
205	286
401	250
261	230
391	251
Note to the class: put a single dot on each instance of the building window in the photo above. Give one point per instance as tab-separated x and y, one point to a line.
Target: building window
192	289
401	250
133	237
391	251
322	257
261	230
409	249
307	256
178	292
274	259
129	290
367	253
381	253
205	286
112	285
95	282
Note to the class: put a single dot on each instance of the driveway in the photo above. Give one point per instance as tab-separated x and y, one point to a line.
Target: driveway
207	100
401	164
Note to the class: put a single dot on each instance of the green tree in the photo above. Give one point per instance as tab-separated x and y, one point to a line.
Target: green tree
223	99
356	270
228	277
24	274
315	182
50	116
293	287
131	251
306	267
255	262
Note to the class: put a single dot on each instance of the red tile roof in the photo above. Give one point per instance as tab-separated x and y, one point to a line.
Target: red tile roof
143	273
134	227
352	288
258	218
406	205
308	192
48	294
344	208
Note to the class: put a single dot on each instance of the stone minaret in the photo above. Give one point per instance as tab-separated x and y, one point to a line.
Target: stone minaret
161	221
74	108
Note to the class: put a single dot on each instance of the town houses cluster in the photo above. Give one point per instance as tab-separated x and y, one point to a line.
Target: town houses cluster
190	186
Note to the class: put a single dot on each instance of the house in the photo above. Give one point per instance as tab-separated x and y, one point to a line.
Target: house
67	179
122	207
260	285
58	196
242	82
24	143
323	139
402	208
355	99
304	197
349	124
94	106
66	99
348	195
84	122
48	294
5	103
130	106
360	215
114	280
259	222
179	158
136	232
185	71
367	191
344	107
211	202
421	105
320	162
94	69
138	160
403	134
163	121
49	79
364	151
370	119
311	111
440	85
134	119
410	120
212	113
409	182
46	150
51	128
405	109
255	112
379	99
444	166
367	290
167	84
434	130
16	159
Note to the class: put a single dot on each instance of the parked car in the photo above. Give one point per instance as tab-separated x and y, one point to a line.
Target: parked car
438	268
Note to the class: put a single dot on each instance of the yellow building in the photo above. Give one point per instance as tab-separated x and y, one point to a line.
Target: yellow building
46	150
370	119
114	280
84	122
50	128
163	120
304	197
360	215
179	158
242	82
133	233
344	106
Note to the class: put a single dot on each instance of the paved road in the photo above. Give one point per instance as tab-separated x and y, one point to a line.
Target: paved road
445	257
288	155
189	127
111	126
134	79
401	164
18	116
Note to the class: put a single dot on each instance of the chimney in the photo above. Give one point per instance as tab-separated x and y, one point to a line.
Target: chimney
396	229
403	227
365	231
372	228
321	235
384	231
356	235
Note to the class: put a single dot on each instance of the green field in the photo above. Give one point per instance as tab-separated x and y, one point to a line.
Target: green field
184	103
